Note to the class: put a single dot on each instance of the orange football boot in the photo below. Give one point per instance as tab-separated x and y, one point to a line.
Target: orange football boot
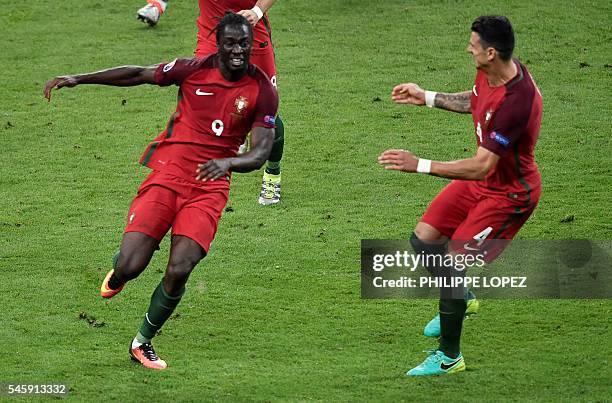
105	290
145	355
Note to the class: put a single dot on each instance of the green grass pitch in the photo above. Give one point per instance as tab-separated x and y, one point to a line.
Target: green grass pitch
274	313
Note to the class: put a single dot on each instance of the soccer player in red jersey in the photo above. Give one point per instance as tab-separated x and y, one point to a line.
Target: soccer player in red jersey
220	99
492	193
262	55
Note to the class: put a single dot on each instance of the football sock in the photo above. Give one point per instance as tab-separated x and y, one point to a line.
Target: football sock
161	307
452	312
273	168
276	154
139	339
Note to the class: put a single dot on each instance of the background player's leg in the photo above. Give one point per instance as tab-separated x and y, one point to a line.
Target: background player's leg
274	161
271	182
152	11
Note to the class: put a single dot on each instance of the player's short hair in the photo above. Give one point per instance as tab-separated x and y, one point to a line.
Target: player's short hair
230	19
495	31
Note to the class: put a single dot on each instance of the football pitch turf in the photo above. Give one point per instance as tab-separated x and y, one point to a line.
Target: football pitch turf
274	313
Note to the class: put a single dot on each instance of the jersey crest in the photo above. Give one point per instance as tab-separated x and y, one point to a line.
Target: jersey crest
241	104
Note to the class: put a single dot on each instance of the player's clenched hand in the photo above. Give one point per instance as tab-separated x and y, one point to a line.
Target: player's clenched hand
213	169
250	16
59	82
408	94
399	160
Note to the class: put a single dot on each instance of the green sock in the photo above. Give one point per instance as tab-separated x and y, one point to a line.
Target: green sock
276	154
161	307
273	168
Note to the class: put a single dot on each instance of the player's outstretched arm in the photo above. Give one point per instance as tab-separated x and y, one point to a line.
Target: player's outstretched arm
123	76
475	168
262	139
412	94
458	102
253	15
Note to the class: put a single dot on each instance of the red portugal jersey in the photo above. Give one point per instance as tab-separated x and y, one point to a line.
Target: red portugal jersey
507	122
211	12
213	115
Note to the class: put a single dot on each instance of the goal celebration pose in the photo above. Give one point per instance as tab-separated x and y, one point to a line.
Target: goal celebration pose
221	98
495	191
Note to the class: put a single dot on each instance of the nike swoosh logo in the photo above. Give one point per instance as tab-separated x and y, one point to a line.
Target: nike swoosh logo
474	90
449	366
198	92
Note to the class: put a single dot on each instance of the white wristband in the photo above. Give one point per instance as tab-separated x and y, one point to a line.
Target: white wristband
424	166
430	97
258	12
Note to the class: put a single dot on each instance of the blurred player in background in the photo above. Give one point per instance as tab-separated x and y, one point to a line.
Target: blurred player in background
152	11
221	98
263	56
494	192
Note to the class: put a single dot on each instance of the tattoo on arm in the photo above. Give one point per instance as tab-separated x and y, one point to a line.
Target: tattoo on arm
458	102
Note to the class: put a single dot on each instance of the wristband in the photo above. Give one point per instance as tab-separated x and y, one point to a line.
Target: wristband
423	166
258	12
430	97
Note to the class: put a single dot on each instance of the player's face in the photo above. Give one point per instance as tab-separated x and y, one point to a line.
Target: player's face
234	47
479	53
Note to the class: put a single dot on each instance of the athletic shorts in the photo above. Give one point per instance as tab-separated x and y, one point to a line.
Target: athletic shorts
264	61
165	201
474	220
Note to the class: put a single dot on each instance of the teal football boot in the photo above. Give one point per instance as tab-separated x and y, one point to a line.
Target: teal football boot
437	363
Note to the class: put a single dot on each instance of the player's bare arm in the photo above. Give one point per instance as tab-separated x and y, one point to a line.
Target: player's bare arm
262	139
412	94
123	76
251	14
475	168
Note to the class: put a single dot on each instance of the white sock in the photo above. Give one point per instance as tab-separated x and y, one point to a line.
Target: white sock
139	340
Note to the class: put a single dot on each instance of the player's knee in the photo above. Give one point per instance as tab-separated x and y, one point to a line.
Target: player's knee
427	232
179	270
428	248
181	266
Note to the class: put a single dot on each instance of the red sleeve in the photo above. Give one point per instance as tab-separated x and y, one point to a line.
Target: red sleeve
267	104
175	72
508	123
